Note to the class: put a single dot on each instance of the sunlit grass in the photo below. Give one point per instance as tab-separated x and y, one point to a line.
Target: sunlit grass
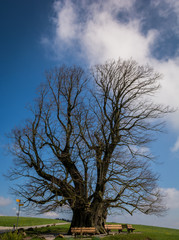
147	232
50	230
7	221
141	232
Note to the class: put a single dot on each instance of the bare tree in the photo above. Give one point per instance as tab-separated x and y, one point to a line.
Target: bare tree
86	145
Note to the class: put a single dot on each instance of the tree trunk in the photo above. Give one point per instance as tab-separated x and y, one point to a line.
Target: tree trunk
89	217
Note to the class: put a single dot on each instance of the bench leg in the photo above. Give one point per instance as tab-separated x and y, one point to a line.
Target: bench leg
108	231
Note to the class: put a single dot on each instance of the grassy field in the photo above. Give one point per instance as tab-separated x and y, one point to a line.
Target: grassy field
141	233
26	221
148	233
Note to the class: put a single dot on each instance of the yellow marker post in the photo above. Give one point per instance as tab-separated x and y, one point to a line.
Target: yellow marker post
18	213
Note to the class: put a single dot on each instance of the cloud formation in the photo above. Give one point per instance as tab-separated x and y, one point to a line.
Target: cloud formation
95	31
175	148
51	214
172	197
170	220
98	32
4	201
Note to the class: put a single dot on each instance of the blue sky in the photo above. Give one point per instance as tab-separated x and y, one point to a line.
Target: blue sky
37	35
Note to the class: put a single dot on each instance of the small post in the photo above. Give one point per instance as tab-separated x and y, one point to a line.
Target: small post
18	213
14	227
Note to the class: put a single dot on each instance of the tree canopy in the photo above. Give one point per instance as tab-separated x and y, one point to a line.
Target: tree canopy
86	145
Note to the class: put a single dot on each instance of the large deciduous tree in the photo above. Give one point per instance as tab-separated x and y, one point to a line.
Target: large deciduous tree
86	145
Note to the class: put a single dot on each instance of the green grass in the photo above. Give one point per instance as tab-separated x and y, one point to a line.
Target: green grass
147	233
26	221
158	233
141	233
56	230
11	236
50	230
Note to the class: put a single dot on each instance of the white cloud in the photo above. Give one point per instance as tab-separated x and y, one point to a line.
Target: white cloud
175	148
172	197
4	201
113	5
94	29
169	220
99	33
51	214
169	91
106	38
66	21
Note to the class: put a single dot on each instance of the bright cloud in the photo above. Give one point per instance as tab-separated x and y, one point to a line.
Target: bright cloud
175	148
99	33
170	220
66	21
4	201
172	197
106	38
51	214
93	31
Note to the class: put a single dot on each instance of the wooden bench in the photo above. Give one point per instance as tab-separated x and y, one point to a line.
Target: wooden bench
83	230
130	228
118	227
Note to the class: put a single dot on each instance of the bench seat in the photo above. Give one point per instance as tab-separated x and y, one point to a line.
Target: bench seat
130	228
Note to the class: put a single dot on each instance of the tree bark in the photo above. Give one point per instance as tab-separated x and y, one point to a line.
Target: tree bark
90	217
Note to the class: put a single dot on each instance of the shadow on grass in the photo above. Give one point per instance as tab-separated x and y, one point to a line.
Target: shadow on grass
63	229
146	233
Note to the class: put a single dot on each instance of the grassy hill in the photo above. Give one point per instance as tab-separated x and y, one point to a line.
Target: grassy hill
26	221
151	233
141	233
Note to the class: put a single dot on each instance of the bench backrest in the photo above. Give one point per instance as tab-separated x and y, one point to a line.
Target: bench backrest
129	226
119	226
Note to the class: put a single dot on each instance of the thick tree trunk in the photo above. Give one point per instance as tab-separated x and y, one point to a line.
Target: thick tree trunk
82	218
89	217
